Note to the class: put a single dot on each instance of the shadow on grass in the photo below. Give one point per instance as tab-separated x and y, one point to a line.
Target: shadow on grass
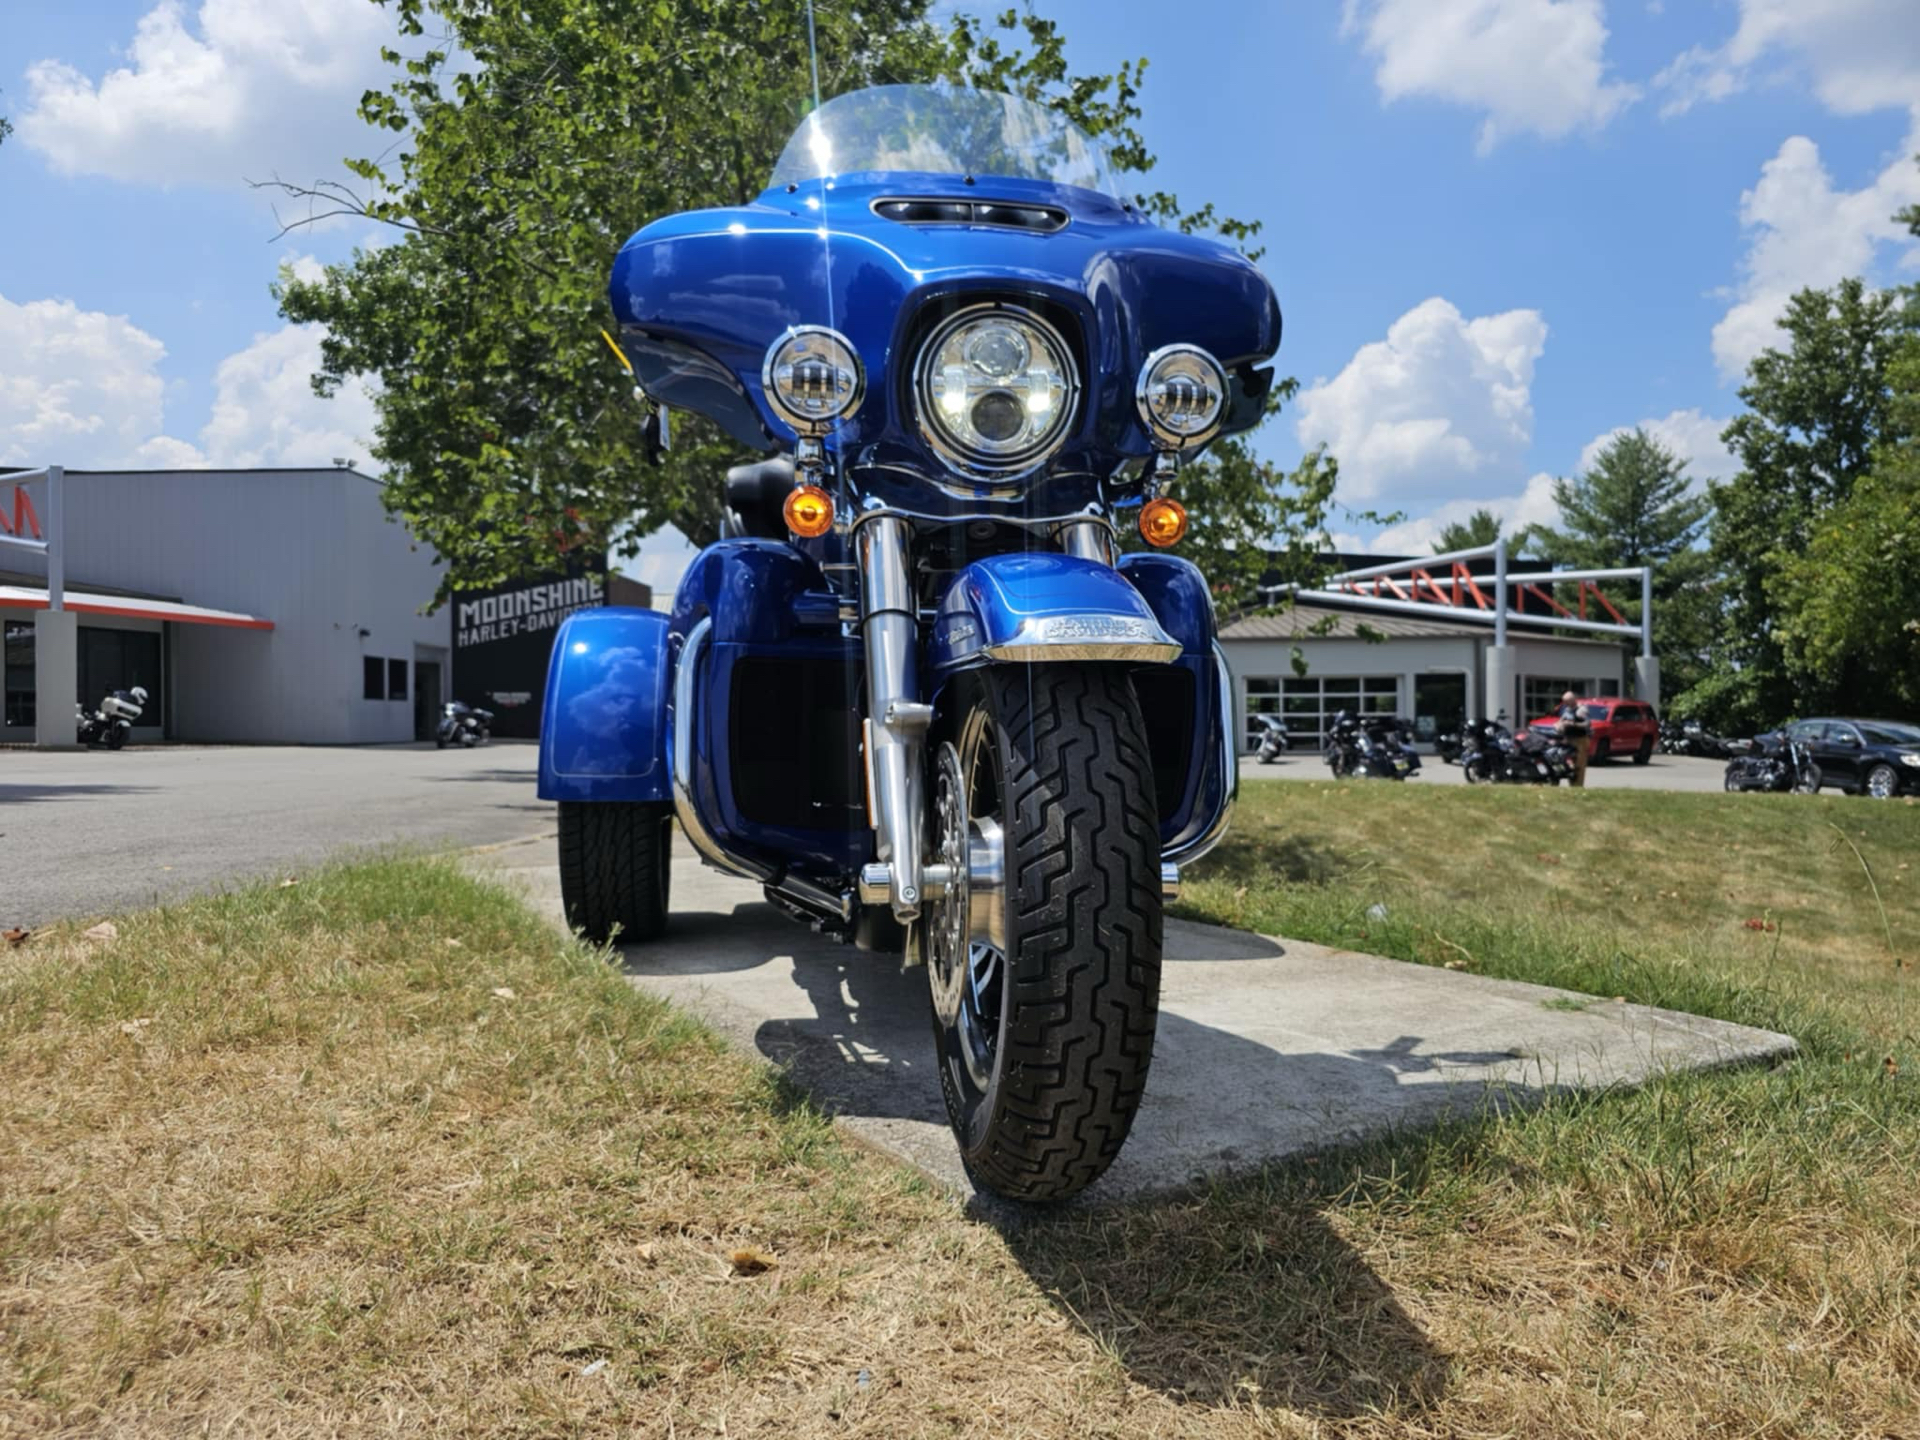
1242	1295
1294	858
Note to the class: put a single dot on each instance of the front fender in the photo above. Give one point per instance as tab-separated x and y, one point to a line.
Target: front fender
1023	608
604	721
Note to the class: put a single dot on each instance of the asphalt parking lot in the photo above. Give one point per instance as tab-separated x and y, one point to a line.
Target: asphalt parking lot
90	832
1663	772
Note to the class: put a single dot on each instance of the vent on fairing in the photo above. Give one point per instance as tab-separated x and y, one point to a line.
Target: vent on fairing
912	210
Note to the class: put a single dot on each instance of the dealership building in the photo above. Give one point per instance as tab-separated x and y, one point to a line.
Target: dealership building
276	606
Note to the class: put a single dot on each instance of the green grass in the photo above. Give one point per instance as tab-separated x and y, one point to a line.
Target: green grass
380	1152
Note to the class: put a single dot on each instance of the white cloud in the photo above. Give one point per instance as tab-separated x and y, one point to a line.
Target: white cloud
1807	233
1441	403
265	411
1421	535
1689	434
80	388
1860	55
1533	66
243	89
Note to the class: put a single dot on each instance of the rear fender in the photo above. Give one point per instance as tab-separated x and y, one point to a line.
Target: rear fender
603	727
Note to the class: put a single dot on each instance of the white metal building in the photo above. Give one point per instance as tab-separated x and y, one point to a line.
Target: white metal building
253	605
1431	670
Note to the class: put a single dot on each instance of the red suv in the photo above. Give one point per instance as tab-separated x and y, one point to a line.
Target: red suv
1620	727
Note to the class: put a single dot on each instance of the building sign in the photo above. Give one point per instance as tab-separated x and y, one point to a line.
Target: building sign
532	609
503	636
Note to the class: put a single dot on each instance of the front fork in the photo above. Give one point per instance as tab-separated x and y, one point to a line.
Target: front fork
897	722
897	719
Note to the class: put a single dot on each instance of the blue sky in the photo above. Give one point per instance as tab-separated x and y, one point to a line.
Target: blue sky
1499	228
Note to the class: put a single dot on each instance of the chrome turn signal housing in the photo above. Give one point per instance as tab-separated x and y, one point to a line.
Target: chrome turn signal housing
1163	522
808	511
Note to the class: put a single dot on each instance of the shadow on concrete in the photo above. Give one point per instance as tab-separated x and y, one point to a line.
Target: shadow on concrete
9	794
491	777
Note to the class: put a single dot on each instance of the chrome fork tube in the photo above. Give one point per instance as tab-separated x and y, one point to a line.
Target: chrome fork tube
896	725
1088	539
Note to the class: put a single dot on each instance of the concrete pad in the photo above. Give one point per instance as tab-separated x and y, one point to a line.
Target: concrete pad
1267	1048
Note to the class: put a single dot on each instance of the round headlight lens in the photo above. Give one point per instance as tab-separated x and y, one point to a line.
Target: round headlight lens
812	377
995	389
1182	396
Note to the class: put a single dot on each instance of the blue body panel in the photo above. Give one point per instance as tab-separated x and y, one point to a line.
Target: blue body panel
701	295
1178	595
988	601
603	727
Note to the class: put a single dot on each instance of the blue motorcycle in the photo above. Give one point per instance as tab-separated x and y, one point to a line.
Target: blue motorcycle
916	692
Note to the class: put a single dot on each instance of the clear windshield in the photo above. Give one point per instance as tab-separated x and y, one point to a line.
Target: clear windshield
942	130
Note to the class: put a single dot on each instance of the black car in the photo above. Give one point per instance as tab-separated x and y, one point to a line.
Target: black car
1880	758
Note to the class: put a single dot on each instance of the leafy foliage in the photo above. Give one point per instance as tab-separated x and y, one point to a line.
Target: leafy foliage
1851	603
1480	528
1250	523
1636	506
504	425
1816	409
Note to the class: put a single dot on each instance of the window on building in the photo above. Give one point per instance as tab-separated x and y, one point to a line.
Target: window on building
373	674
113	660
396	679
1309	703
19	673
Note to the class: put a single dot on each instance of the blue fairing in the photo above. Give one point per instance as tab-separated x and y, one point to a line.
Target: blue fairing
993	597
603	727
700	296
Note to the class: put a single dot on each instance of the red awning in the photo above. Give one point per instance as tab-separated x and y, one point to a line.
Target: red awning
81	602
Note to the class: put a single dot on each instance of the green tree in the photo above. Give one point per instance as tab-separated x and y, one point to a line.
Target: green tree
503	423
1635	505
1480	528
1850	605
1816	409
1249	523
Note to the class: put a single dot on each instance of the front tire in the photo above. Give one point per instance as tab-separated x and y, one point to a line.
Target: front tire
1044	1040
1882	783
615	868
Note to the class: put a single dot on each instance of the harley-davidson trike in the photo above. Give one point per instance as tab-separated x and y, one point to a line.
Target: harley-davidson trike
915	691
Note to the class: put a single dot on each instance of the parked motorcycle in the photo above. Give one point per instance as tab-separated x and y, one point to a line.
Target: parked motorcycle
1690	737
1447	745
1773	762
1491	754
1375	747
916	693
109	726
462	725
1274	738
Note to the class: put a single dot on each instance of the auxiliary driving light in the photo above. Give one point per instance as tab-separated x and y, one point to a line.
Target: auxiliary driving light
809	511
1182	396
1163	522
812	377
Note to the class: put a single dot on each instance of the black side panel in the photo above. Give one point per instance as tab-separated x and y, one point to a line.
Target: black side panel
796	744
1165	693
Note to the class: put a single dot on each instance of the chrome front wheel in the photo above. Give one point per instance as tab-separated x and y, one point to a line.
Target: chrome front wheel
1882	782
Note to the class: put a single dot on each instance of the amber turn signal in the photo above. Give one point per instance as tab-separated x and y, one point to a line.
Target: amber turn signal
1163	522
809	511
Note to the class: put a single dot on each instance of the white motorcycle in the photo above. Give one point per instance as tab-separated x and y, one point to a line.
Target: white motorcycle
108	727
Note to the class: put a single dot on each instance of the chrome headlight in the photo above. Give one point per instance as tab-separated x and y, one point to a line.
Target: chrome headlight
1182	396
812	377
994	390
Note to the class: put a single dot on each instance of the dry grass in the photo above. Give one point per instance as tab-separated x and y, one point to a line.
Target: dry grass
337	1184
